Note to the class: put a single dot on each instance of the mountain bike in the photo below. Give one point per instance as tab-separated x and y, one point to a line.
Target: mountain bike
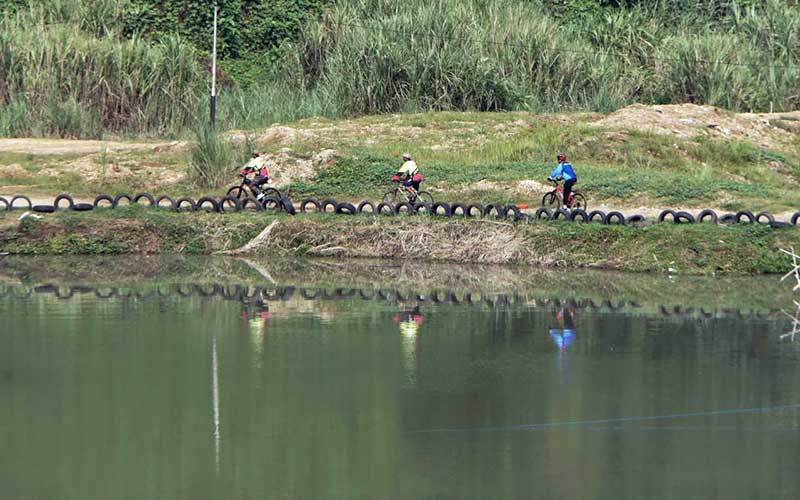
555	198
240	192
402	193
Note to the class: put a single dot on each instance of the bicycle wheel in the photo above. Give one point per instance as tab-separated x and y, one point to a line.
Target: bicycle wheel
551	200
394	197
272	193
578	201
237	192
426	197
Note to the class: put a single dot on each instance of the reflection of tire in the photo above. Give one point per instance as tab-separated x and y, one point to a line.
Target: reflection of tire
309	201
399	208
82	207
473	208
610	216
745	213
597	214
707	214
441	208
384	208
346	208
329	202
684	218
229	204
251	202
543	213
146	196
120	197
47	209
102	198
664	213
767	215
167	198
185	202
58	199
206	200
579	216
363	205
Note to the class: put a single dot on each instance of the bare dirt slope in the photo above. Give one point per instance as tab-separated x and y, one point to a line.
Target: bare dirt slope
76	147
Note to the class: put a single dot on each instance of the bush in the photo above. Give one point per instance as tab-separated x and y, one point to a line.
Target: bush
212	161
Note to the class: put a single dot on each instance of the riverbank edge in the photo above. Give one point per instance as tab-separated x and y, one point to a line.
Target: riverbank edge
659	248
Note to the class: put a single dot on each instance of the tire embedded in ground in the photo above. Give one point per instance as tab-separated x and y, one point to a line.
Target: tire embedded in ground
384	208
475	207
309	201
120	197
635	219
684	218
146	196
421	207
82	207
47	209
610	216
63	196
185	201
543	213
560	213
664	213
229	204
599	214
167	198
346	208
329	202
104	197
458	209
207	200
767	215
364	204
513	209
745	213
445	209
496	207
579	214
251	202
288	206
707	214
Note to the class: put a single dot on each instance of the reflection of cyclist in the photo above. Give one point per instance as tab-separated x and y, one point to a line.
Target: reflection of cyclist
565	335
255	315
564	170
409	321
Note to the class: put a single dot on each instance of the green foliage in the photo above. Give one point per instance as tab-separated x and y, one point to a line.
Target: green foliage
355	176
213	161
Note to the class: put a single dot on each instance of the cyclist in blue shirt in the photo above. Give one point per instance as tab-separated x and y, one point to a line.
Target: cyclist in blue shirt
564	170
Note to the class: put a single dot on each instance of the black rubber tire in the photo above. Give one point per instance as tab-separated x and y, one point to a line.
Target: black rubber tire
475	207
82	207
233	204
328	202
146	196
60	198
745	213
104	197
45	209
206	200
579	214
769	217
610	216
409	208
185	201
309	201
795	218
12	206
635	219
513	209
458	209
364	204
250	201
498	210
599	214
543	211
776	224
446	211
346	208
727	219
684	218
288	206
420	207
707	214
664	213
120	197
558	214
167	197
271	204
384	208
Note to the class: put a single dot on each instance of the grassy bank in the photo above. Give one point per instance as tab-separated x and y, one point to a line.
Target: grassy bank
696	249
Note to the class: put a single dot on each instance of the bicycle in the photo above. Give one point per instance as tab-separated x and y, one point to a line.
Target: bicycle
554	199
401	194
239	192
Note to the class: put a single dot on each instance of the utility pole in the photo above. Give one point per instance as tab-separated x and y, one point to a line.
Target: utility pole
214	73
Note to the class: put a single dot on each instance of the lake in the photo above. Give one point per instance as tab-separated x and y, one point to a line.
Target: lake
203	378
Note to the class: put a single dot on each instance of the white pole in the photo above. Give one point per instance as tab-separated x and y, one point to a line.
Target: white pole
214	72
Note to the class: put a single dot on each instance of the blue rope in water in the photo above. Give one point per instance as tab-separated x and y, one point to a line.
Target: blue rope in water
578	423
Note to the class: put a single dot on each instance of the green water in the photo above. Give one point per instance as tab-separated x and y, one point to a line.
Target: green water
166	385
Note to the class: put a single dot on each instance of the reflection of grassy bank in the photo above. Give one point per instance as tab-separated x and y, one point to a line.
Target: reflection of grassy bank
142	272
690	249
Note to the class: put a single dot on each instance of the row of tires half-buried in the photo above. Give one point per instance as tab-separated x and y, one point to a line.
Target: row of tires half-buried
248	294
512	212
223	204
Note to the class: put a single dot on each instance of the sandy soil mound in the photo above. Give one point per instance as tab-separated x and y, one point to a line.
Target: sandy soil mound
686	121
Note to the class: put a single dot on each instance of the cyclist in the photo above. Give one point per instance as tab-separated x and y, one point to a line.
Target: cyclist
564	170
258	166
409	175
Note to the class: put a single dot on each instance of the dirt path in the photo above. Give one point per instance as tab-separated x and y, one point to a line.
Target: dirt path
70	147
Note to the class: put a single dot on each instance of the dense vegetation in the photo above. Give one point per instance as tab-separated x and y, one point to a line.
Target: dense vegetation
85	67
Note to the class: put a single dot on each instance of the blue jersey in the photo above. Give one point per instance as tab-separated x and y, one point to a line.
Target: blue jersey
564	169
